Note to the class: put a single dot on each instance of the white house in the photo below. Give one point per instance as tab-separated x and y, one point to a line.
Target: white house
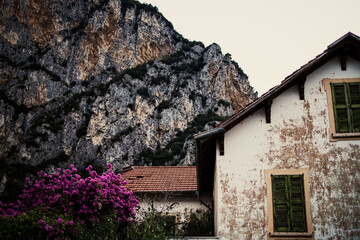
171	190
287	166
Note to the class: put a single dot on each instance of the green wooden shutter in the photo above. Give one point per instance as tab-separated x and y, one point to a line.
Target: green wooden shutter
170	222
346	100
288	203
339	95
297	203
280	204
354	92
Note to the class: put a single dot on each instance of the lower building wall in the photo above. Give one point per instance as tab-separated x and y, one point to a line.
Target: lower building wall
242	208
182	205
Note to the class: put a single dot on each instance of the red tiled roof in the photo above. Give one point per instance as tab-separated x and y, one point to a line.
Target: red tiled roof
161	178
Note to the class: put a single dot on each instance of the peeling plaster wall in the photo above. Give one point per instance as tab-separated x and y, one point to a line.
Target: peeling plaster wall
296	138
167	202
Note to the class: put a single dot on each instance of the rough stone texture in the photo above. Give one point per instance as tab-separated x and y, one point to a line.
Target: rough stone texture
105	81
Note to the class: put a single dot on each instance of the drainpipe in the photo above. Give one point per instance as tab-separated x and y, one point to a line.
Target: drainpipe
211	210
198	196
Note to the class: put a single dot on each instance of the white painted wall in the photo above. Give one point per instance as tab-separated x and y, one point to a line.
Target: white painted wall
296	138
170	203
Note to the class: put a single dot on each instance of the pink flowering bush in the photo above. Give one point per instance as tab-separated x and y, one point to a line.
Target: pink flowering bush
65	204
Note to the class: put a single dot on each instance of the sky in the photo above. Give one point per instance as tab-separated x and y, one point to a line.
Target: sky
269	39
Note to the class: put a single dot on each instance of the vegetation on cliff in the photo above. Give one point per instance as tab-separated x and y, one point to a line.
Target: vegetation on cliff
105	81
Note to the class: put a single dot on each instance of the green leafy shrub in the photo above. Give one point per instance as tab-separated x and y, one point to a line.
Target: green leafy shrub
143	92
82	130
184	67
203	100
122	133
241	72
189	44
175	147
102	88
131	106
137	72
176	93
163	105
200	223
159	80
173	58
17	108
152	227
26	225
54	122
39	67
64	63
117	78
64	205
16	172
184	83
157	158
125	4
223	102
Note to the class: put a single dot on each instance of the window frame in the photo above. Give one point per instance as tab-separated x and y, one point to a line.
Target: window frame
269	197
176	215
334	136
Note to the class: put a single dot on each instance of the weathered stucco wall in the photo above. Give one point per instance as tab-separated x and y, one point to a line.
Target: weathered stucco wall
171	203
297	137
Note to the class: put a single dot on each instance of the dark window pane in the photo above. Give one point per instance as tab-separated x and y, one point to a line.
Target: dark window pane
342	121
298	217
297	203
339	94
354	89
289	203
170	225
346	100
281	218
356	119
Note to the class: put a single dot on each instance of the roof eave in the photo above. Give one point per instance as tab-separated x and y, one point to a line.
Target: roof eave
312	65
213	132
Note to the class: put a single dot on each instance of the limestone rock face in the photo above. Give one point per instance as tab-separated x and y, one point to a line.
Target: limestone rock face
91	82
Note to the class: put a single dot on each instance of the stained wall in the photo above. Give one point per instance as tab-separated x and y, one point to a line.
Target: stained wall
171	203
297	137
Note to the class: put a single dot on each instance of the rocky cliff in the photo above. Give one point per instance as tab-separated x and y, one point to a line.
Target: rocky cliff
90	82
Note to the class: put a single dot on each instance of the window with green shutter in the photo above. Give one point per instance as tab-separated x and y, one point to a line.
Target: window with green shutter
346	104
288	203
171	223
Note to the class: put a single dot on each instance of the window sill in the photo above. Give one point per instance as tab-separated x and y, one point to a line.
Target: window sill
291	234
345	135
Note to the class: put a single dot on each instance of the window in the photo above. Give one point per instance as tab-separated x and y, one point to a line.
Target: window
288	203
344	108
172	221
346	104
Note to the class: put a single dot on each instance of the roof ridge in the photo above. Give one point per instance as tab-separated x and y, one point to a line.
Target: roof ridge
272	92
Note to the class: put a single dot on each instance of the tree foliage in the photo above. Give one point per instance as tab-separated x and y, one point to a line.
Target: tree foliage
151	227
200	223
65	205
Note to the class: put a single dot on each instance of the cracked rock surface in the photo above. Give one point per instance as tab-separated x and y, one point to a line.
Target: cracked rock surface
93	82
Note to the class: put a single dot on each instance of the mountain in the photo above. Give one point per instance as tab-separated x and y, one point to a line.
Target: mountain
91	82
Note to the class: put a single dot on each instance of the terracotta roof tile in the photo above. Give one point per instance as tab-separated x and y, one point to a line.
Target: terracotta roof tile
161	178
